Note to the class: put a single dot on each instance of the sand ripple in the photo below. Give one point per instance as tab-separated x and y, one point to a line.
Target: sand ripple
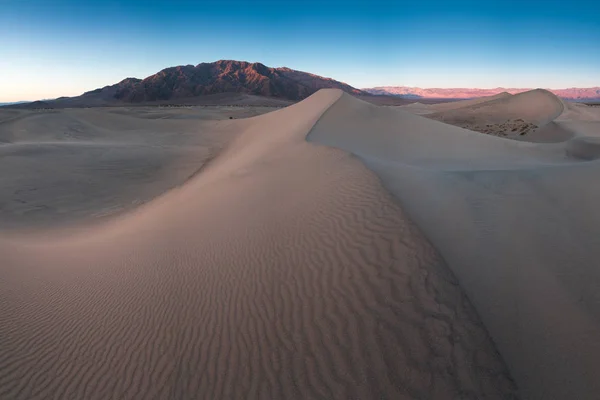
283	270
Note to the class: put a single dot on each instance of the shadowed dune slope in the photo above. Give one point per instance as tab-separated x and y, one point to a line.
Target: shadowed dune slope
518	223
283	271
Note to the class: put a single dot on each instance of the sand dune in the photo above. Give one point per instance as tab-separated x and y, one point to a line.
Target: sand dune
506	115
552	132
395	134
517	223
468	103
283	270
580	112
424	109
66	166
577	120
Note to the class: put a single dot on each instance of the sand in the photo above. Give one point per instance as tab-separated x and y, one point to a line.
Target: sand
60	167
331	249
453	105
517	222
283	269
536	116
424	106
513	116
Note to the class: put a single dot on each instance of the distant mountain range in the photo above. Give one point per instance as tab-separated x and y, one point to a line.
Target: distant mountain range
185	83
243	83
579	94
13	103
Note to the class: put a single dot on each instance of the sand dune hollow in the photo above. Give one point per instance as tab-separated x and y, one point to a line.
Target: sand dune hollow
283	270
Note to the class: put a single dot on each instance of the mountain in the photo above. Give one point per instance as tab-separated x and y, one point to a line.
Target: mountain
579	94
226	76
222	81
13	103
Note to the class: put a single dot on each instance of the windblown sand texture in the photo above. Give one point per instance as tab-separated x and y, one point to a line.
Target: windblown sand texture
517	222
281	270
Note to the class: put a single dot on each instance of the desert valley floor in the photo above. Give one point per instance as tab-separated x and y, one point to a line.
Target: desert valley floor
331	249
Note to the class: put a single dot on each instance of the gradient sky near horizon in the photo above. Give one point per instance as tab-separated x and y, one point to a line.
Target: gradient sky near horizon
52	48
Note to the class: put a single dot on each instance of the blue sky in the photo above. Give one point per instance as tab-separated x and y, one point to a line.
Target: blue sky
51	48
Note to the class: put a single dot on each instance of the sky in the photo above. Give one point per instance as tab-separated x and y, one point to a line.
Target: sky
52	48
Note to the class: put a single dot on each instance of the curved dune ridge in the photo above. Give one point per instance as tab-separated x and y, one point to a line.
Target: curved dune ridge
517	222
282	270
